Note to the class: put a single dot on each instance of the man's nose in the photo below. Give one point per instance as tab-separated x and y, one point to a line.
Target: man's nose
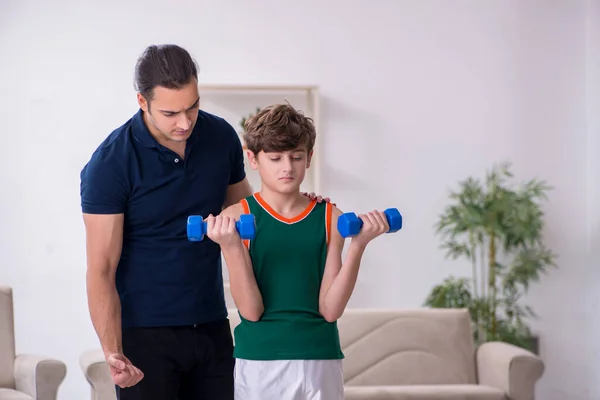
184	123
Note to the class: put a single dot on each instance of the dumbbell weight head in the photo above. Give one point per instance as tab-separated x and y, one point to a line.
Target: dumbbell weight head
394	219
196	227
349	224
246	226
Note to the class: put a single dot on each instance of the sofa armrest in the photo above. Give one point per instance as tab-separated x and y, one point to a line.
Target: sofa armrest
96	372
509	368
38	376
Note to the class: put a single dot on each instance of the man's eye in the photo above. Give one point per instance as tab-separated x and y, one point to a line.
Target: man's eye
275	159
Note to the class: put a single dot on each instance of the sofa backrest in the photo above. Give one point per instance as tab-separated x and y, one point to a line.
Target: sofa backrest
7	338
404	347
407	347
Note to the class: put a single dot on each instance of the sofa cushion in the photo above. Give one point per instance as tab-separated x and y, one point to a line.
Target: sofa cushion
9	394
408	347
423	392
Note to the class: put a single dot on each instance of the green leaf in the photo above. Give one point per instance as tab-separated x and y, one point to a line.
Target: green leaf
451	293
527	266
455	249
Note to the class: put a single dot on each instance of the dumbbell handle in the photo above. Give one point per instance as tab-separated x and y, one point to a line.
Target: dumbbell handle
205	226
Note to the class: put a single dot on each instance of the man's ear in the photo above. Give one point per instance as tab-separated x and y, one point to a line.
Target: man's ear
252	158
143	103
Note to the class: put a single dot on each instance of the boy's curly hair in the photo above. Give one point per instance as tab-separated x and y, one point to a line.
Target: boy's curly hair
279	127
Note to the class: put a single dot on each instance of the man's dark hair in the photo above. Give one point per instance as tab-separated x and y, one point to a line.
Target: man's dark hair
166	65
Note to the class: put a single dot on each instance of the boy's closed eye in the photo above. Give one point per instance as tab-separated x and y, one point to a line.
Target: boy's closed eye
300	158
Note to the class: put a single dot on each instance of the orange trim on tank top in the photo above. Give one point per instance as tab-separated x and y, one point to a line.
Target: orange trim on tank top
280	217
328	213
246	208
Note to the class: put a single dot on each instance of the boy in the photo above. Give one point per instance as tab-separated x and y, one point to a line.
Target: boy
288	283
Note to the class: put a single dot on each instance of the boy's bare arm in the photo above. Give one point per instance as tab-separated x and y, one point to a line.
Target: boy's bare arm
242	282
339	278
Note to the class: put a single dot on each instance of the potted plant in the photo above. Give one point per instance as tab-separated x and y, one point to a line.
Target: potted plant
498	229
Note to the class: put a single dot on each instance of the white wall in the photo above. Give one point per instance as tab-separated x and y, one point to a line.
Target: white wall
592	289
416	96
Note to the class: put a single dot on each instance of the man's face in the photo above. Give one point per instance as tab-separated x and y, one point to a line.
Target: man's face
172	113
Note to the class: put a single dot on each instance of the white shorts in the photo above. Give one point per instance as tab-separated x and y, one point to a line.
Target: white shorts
289	380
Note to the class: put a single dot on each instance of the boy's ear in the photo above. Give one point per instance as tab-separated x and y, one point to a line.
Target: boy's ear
252	158
309	158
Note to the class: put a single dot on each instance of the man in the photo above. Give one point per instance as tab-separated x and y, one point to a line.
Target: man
156	300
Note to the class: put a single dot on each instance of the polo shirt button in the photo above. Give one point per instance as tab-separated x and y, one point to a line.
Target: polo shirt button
177	160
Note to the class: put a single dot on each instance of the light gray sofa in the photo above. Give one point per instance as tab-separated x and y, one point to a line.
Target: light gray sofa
429	354
24	376
421	354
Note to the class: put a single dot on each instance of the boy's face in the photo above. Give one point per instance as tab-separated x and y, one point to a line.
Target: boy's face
172	113
282	171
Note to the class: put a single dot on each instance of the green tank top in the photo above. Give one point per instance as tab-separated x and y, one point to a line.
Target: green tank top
288	258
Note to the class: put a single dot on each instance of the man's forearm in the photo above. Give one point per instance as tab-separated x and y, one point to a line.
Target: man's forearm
242	282
337	296
237	192
105	311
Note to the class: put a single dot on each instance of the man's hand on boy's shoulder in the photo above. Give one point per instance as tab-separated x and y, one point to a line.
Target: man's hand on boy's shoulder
319	198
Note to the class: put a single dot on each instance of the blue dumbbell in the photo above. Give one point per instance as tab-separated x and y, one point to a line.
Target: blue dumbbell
349	224
196	227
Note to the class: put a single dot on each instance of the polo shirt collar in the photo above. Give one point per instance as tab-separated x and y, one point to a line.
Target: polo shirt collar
143	135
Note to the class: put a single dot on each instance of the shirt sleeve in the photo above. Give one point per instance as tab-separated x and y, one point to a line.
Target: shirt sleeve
103	188
238	173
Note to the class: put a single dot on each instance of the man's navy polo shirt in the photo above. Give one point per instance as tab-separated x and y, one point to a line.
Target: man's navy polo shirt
162	278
